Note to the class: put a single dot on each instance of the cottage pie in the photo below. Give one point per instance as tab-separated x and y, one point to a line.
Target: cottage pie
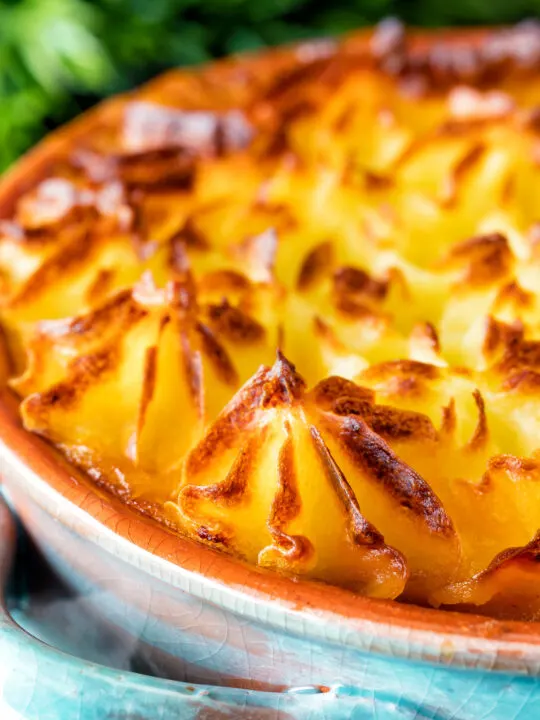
289	306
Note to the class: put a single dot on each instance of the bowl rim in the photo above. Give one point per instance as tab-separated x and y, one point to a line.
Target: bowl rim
19	647
313	610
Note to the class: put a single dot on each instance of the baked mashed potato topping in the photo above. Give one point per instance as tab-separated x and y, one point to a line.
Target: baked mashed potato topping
289	305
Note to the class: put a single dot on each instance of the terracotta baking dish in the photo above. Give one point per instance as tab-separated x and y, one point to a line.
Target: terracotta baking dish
211	618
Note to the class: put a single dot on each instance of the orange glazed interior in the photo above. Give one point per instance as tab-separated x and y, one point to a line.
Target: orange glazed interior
289	306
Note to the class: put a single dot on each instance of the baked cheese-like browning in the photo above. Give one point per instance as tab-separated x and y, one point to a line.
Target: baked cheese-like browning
289	306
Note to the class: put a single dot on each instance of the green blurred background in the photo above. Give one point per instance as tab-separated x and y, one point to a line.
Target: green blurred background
58	57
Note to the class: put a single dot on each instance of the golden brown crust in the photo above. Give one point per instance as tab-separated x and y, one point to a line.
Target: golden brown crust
162	251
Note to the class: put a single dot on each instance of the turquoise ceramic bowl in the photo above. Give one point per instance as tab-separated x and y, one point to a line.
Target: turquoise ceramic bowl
39	682
292	655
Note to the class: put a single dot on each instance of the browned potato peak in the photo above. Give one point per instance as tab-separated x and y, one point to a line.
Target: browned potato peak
289	305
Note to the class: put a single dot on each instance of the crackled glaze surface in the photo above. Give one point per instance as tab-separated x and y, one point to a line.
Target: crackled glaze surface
217	635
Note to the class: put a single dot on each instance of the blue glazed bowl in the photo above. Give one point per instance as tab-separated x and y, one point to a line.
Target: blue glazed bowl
38	682
233	641
41	683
